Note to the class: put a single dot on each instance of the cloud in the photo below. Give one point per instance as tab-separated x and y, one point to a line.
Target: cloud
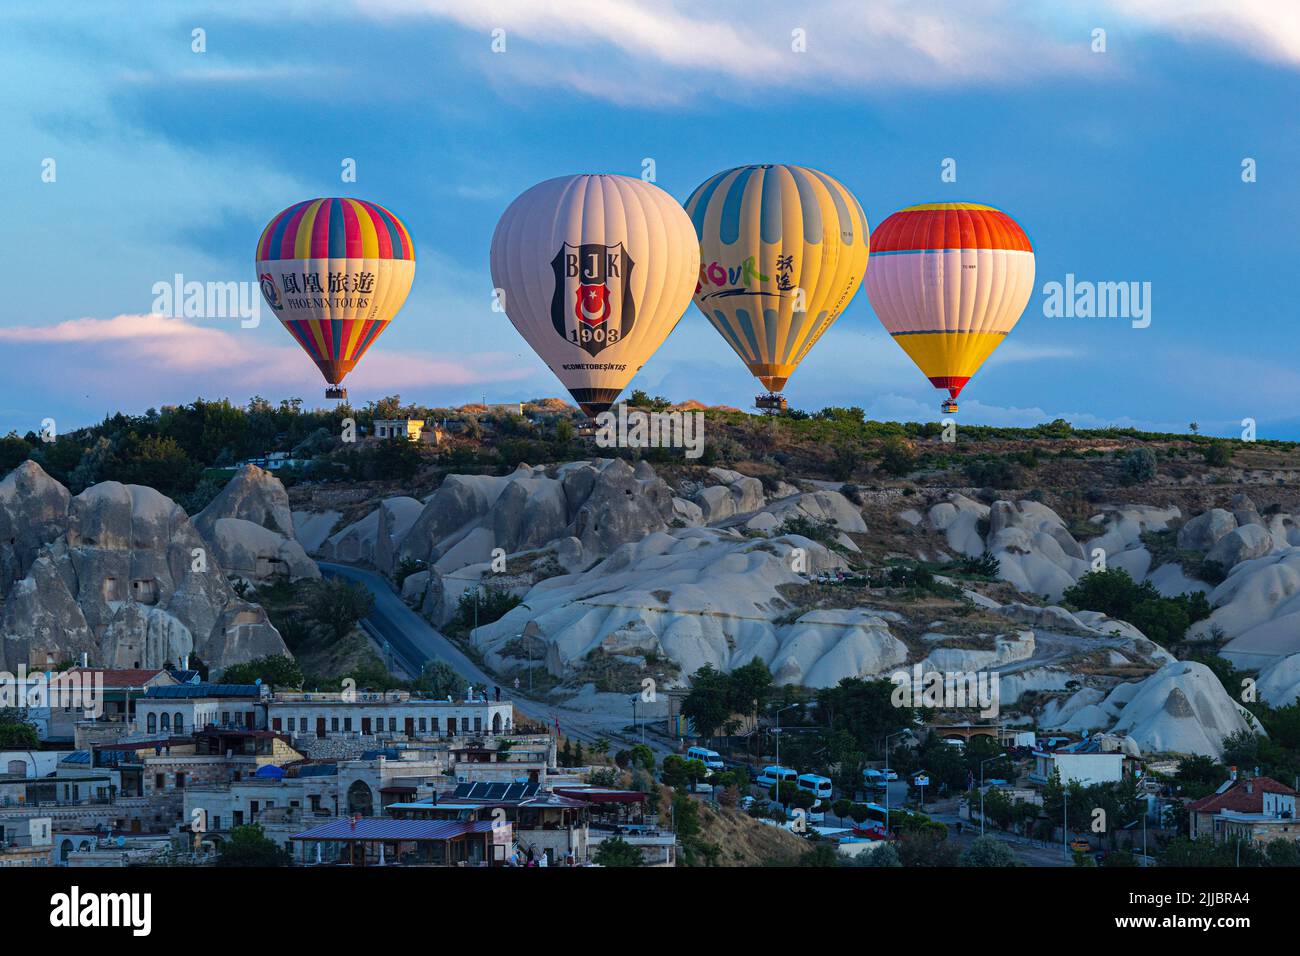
137	361
656	52
1266	29
665	52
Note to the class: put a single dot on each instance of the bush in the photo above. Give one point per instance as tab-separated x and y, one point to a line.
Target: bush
1115	594
1218	454
337	604
478	607
275	670
992	473
1139	466
617	852
897	457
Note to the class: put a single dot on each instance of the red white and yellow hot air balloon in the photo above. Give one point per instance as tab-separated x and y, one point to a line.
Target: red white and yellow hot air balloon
335	272
948	281
595	271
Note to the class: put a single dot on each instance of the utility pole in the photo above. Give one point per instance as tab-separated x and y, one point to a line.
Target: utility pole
1065	820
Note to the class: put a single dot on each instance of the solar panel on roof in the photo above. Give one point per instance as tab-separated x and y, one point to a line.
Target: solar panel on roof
186	691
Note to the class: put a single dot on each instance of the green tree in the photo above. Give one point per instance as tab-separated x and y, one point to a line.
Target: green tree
897	457
13	452
15	732
926	848
707	703
336	605
439	680
988	851
642	756
617	852
249	846
275	670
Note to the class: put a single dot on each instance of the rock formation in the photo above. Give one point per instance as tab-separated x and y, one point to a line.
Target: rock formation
119	573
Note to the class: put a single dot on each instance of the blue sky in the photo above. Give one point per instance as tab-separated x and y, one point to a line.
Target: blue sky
1122	166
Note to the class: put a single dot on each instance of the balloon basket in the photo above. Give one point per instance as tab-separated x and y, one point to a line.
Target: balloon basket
771	402
948	407
336	392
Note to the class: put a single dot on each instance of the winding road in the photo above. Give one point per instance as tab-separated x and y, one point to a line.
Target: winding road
414	641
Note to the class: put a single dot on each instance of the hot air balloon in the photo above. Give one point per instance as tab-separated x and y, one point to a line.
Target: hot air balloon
948	281
594	271
782	251
335	272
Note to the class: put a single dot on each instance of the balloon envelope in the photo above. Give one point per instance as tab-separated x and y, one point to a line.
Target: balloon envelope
948	281
594	271
782	251
335	272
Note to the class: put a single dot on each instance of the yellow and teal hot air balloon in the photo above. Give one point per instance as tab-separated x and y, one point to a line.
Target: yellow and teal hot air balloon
782	251
335	272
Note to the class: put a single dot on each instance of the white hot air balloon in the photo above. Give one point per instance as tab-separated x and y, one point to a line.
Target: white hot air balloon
595	271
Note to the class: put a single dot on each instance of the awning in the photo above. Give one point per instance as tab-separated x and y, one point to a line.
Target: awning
595	795
375	829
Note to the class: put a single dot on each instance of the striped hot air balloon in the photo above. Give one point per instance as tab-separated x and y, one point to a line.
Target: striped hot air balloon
948	281
782	251
335	272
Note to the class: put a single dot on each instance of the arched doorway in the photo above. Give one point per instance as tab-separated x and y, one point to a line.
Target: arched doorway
360	799
496	723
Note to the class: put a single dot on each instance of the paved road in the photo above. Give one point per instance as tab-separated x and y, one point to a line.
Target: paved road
414	641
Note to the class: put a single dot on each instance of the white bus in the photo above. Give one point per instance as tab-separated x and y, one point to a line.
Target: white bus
818	786
711	759
774	774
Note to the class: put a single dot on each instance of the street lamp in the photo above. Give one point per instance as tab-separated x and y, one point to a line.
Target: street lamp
1065	821
887	739
982	763
776	734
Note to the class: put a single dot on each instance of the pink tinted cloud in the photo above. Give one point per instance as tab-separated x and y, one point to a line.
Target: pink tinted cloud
152	359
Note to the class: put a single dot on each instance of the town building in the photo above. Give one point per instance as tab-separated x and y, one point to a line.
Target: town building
391	714
1085	762
380	841
1253	808
26	842
182	708
408	428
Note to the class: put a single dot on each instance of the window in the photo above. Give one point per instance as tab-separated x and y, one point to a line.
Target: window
225	718
180	780
178	722
334	724
434	724
151	722
347	724
423	724
464	725
166	723
216	821
478	724
291	724
392	724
